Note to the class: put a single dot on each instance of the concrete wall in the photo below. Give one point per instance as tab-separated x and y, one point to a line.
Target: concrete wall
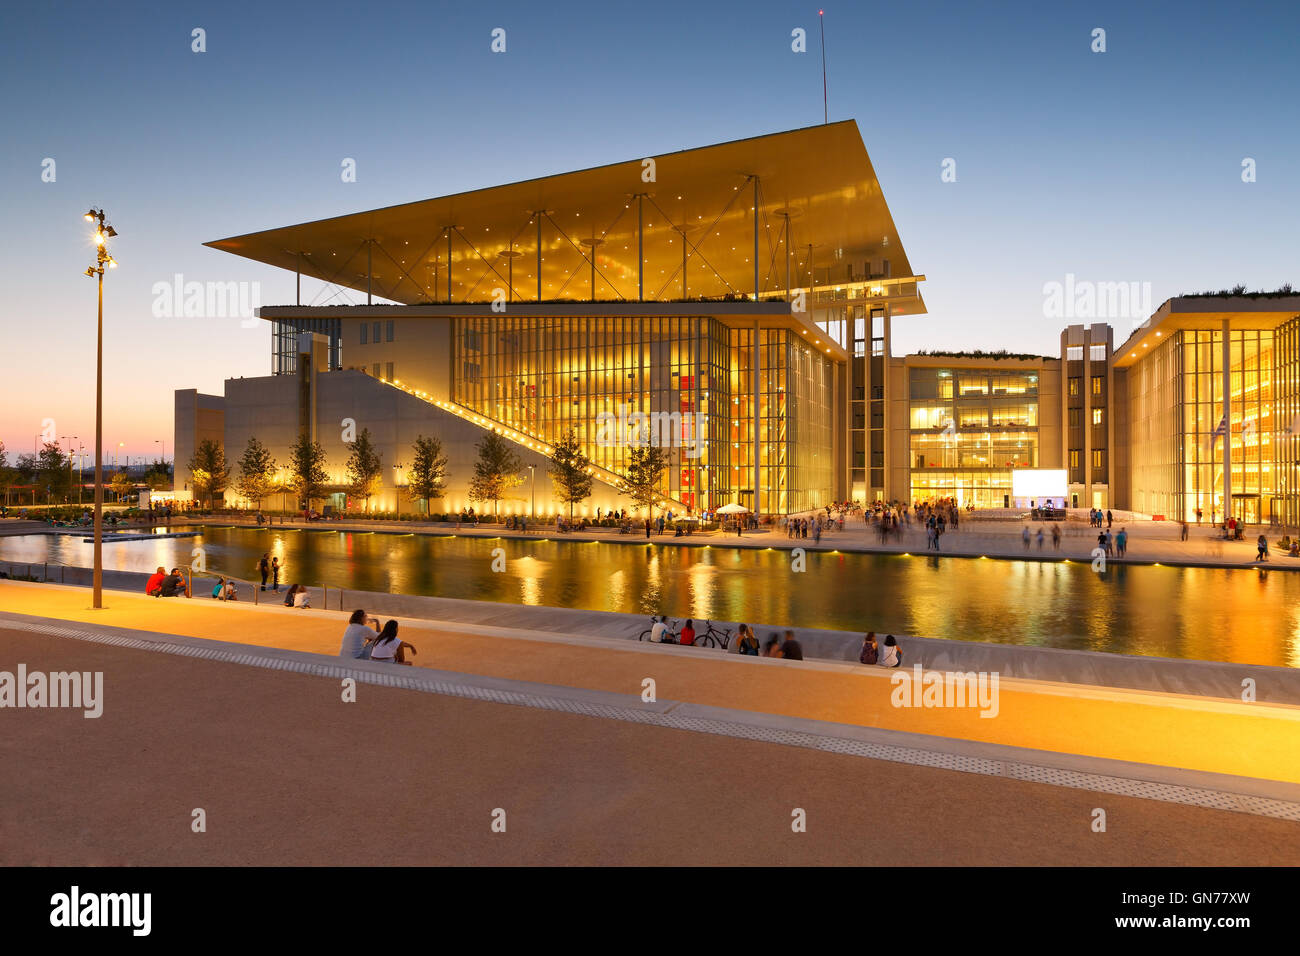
197	417
421	352
267	408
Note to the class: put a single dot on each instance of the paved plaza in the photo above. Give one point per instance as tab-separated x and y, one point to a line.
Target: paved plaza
288	774
285	766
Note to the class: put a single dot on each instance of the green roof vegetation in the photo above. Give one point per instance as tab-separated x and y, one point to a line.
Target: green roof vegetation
1239	291
981	354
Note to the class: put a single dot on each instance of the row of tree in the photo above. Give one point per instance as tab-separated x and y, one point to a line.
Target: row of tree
50	474
497	470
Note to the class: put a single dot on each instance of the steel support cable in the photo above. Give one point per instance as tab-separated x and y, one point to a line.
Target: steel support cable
490	266
599	271
330	280
428	250
589	261
709	229
400	269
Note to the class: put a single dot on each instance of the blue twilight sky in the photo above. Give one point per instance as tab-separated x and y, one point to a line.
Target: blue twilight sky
1115	166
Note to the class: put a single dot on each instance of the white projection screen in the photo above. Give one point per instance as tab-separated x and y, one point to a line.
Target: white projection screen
1038	483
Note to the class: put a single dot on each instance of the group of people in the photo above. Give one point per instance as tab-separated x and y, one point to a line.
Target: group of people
800	527
270	568
1096	516
1056	537
935	526
162	584
887	653
745	643
364	639
1115	546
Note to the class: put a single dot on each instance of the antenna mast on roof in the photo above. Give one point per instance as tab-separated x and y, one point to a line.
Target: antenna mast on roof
825	110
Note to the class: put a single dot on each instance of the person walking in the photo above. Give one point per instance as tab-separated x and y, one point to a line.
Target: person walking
265	567
791	649
1024	536
1182	526
1121	542
1261	548
275	574
1040	539
1056	537
1109	519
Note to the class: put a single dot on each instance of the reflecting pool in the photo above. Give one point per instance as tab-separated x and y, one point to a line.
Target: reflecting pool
1244	616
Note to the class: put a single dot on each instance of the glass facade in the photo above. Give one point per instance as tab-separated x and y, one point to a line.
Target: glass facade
284	342
969	428
709	393
1177	438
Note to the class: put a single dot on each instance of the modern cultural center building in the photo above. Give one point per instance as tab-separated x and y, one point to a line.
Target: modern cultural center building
739	298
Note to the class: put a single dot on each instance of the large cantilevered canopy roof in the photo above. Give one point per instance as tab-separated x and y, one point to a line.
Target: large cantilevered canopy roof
818	182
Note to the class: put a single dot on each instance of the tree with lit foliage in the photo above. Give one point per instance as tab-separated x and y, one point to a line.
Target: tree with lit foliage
53	471
645	471
121	484
495	472
158	476
307	469
427	476
364	468
570	471
8	476
256	479
209	473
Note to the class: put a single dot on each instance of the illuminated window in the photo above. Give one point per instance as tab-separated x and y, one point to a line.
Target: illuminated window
1096	385
1096	416
1074	458
1097	456
1074	386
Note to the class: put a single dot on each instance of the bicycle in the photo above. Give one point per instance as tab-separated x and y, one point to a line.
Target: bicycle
713	636
670	635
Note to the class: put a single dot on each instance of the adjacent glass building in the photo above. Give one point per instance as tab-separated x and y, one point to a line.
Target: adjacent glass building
1211	387
968	429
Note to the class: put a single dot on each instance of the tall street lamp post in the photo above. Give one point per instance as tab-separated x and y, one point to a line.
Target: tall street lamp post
532	473
103	232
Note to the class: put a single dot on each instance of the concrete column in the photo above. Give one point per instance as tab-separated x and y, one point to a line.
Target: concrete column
756	240
1086	385
758	444
1227	421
